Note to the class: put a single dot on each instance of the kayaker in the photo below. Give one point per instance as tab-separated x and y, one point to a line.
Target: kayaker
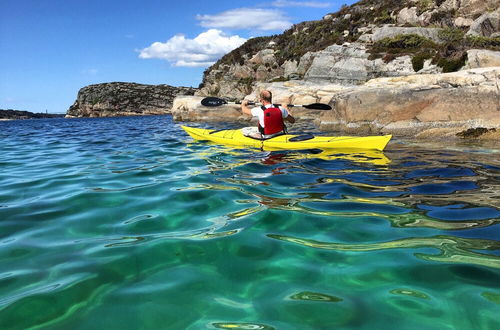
271	117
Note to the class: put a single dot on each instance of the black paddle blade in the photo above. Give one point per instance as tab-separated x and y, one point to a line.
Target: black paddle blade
213	102
318	106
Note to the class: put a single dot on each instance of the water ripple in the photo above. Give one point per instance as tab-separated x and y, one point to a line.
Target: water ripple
452	249
100	216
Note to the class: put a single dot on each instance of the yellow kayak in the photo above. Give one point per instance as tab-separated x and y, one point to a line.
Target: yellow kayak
289	141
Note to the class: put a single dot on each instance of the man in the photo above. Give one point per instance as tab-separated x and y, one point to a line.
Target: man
270	117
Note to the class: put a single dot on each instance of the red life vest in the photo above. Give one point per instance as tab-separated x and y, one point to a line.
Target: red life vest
273	120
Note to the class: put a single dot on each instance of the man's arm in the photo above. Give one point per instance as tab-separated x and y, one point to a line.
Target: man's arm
245	109
289	118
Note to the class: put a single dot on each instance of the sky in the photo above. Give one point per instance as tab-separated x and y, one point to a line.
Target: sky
49	49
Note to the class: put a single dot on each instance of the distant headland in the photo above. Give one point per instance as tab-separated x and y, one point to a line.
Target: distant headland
125	99
10	114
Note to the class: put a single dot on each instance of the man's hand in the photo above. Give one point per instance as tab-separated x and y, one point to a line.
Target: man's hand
288	118
244	107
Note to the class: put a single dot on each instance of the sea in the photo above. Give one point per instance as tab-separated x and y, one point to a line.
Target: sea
128	223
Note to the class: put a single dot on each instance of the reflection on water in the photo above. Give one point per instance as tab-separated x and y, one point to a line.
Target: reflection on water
126	222
246	326
451	249
314	296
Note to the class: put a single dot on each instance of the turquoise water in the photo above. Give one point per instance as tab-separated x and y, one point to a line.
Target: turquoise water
126	223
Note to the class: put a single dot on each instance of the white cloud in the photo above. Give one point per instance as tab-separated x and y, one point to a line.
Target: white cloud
247	18
203	50
9	99
312	4
90	72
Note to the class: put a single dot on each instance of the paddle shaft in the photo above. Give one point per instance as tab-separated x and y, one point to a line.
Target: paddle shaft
276	104
215	102
316	106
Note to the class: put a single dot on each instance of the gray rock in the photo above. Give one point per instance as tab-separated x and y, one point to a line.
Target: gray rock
408	16
290	68
346	65
425	18
463	22
366	37
388	31
481	58
450	5
430	68
349	65
265	56
486	24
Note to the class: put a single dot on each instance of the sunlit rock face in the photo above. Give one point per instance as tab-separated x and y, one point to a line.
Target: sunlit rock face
125	99
419	105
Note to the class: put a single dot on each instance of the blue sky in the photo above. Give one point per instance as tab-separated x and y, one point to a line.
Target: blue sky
49	49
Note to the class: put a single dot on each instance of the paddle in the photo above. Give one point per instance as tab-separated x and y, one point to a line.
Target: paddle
215	102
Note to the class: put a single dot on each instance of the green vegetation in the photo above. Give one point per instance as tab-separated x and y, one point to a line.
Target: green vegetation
296	42
424	5
483	42
450	55
384	18
317	35
402	44
452	64
451	35
418	60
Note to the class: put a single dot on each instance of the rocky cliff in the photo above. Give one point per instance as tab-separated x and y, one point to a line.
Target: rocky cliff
125	99
367	40
426	68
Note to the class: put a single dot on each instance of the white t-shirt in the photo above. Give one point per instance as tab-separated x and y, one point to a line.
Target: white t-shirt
258	112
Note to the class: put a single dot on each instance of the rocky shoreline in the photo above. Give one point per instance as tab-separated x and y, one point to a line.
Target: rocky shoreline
421	106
